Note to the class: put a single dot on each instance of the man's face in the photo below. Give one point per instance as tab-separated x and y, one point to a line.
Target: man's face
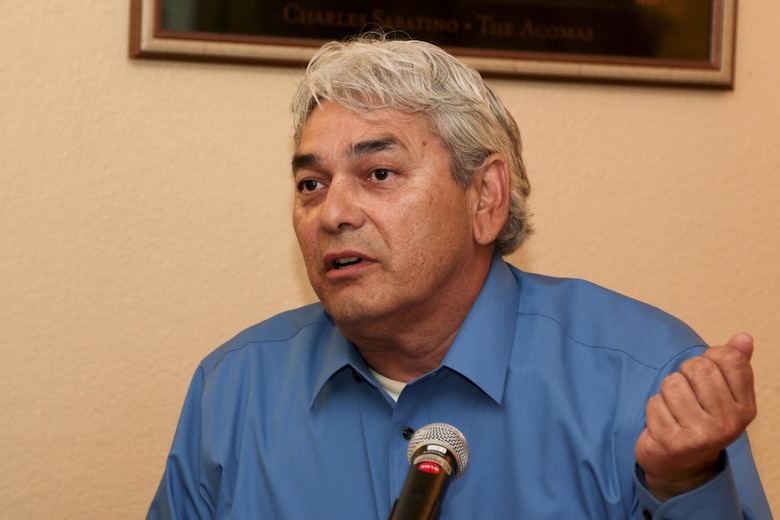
385	231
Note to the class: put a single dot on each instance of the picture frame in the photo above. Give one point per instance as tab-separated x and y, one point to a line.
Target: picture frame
651	42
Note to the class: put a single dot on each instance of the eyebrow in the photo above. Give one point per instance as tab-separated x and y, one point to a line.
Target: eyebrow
372	145
359	149
303	160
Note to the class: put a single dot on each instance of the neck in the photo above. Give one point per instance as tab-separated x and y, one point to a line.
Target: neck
409	345
405	362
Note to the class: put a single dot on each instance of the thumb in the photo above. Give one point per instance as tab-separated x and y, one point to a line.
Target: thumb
742	342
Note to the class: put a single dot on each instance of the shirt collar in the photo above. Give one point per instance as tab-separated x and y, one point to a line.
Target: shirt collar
480	351
482	348
339	354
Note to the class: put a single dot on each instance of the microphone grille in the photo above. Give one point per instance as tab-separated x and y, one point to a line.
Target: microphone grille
445	435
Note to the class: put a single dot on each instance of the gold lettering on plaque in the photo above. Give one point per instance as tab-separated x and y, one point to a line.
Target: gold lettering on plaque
541	31
488	26
295	14
415	23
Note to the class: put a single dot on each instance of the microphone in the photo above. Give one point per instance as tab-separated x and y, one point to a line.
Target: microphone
438	453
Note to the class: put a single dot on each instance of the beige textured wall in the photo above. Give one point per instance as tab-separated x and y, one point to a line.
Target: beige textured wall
144	219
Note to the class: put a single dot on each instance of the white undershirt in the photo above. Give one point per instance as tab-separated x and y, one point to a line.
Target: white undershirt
391	386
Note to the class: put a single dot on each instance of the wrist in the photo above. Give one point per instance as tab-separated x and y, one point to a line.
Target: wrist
667	486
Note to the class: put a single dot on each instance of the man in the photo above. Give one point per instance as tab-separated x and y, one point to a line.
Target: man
576	402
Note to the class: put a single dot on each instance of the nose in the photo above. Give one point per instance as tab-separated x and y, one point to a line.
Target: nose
341	208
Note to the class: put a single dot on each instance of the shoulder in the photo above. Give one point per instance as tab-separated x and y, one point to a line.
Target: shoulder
275	336
596	317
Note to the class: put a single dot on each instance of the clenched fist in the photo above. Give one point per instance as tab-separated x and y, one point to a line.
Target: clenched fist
699	411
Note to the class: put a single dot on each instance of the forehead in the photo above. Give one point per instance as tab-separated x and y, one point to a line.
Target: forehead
330	123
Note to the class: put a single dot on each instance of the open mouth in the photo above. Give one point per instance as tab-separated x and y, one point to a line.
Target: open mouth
341	263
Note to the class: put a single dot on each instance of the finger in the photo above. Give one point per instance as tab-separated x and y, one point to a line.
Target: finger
742	342
736	371
659	419
708	384
681	400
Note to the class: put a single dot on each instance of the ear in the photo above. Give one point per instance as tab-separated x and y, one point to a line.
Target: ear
492	190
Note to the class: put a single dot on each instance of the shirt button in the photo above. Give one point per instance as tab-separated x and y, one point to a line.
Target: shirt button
646	515
407	433
357	376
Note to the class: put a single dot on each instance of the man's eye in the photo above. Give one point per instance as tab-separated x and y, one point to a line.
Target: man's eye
381	174
309	185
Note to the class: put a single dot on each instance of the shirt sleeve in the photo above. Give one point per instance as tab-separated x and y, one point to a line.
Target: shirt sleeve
735	493
182	494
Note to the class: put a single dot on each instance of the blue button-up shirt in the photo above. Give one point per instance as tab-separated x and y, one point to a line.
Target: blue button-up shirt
547	379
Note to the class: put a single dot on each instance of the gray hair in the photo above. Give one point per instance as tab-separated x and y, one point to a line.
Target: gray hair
372	71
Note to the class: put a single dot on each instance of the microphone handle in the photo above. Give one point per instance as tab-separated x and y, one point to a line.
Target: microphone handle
421	496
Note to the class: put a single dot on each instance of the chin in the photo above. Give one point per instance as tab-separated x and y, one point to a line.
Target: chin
352	313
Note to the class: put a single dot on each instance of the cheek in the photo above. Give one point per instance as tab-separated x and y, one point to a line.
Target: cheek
430	236
305	238
445	217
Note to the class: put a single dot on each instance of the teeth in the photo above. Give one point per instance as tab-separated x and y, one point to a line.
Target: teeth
343	262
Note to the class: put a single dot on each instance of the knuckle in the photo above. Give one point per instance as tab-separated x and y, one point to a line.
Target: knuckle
655	404
726	356
733	356
699	368
673	382
749	412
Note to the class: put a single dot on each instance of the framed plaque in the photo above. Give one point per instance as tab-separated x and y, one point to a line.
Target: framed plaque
672	42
